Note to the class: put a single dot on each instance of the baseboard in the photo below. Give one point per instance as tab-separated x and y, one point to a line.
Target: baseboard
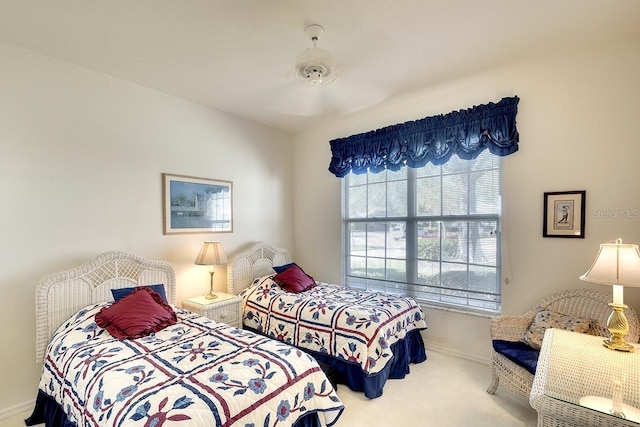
450	352
21	408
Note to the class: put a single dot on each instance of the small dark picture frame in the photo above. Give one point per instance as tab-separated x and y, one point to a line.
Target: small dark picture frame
564	214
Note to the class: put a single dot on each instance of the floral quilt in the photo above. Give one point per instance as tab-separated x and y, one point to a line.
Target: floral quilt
194	373
356	326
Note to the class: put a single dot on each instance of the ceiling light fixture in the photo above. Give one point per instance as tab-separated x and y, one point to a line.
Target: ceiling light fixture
315	66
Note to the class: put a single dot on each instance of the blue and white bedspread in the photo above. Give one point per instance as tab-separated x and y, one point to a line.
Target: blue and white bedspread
355	326
194	373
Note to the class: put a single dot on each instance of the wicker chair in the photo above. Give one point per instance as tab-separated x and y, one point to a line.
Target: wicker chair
586	303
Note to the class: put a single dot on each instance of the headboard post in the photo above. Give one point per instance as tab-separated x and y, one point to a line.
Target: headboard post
257	261
60	295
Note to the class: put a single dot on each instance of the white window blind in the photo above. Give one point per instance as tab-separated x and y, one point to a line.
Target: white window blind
431	233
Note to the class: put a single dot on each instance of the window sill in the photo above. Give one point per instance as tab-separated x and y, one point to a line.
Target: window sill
451	309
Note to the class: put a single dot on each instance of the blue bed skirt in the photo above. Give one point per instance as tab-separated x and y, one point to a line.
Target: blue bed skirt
48	412
406	351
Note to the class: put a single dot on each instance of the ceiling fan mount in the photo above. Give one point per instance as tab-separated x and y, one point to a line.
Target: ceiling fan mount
315	66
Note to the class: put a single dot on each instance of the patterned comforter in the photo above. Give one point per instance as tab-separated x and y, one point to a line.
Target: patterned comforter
356	326
194	373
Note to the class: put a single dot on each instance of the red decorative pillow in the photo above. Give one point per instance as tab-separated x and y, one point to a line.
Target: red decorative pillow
294	279
138	314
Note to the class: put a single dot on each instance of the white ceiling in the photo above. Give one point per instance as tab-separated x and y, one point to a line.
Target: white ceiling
237	55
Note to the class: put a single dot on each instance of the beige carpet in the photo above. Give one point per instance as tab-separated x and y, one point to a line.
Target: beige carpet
443	391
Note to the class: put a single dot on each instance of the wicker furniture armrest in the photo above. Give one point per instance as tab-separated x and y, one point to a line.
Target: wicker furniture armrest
510	328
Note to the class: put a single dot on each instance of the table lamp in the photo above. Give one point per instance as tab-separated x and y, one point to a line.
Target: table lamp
211	254
617	264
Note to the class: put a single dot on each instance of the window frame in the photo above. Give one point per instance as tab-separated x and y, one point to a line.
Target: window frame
412	287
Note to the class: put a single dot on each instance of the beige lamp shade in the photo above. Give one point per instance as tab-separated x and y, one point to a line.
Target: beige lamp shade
211	253
616	264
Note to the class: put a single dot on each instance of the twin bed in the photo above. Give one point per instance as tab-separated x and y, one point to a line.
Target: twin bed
196	372
365	337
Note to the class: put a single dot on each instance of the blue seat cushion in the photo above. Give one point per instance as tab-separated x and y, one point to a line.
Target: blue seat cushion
519	353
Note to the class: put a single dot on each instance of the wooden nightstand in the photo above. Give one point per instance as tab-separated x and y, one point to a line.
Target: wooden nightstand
226	308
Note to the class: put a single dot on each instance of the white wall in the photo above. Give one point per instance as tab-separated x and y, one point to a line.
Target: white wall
80	164
578	122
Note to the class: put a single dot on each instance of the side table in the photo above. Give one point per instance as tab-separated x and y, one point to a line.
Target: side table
227	308
579	382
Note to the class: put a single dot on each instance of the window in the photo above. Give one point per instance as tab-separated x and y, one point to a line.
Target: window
431	233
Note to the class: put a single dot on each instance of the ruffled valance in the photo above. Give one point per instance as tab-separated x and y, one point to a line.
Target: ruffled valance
431	139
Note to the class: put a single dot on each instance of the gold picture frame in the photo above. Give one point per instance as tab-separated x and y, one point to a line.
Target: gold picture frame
196	205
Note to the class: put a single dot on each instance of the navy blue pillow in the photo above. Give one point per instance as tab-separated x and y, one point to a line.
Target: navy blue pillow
280	268
123	292
518	352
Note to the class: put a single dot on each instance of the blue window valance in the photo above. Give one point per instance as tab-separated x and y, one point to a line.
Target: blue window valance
434	139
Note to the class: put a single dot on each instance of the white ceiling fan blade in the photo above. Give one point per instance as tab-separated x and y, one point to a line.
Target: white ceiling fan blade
355	87
293	98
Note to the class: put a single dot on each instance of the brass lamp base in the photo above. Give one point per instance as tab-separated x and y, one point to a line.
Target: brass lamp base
619	328
212	295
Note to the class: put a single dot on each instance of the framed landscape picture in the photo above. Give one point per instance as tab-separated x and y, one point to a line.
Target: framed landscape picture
196	205
564	214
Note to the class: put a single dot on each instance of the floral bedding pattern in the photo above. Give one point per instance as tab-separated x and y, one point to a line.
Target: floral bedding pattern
356	326
194	373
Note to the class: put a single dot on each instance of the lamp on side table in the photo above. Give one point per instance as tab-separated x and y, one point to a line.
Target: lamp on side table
580	383
617	264
211	254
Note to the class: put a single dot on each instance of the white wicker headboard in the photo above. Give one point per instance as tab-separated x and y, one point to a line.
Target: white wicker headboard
60	295
257	261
